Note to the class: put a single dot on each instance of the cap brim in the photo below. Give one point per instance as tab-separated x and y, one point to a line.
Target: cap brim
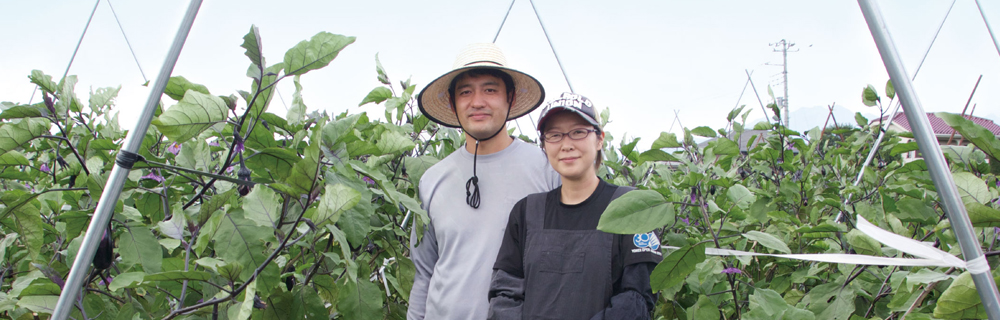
434	102
556	109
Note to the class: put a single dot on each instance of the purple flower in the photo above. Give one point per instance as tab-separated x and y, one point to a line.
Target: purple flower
996	230
45	167
214	143
238	144
105	281
174	148
732	271
152	176
230	169
686	221
368	180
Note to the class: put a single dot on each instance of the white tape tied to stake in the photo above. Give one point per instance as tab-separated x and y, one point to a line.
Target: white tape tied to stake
928	256
978	265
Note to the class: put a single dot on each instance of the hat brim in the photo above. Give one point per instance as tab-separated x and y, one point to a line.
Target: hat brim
435	103
546	115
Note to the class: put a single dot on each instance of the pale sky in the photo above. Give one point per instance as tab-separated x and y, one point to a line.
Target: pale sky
642	59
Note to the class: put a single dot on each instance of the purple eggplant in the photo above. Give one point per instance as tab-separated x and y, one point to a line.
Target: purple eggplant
105	251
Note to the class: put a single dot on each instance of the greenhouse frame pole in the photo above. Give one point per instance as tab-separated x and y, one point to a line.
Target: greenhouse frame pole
113	187
934	159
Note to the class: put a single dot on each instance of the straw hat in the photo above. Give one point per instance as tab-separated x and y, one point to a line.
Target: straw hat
435	103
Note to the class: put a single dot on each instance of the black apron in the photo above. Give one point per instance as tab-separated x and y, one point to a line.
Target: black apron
567	272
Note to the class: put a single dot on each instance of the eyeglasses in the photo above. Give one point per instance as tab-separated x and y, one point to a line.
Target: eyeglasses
575	134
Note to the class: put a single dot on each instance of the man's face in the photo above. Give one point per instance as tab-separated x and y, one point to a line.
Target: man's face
481	104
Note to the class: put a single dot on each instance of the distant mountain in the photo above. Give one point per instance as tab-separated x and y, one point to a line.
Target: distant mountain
803	119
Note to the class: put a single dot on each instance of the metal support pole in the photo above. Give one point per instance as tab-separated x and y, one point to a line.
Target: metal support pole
936	164
113	187
892	115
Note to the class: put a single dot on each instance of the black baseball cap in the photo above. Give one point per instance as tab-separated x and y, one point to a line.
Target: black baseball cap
574	103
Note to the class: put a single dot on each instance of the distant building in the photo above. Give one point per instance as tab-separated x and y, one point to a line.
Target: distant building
942	131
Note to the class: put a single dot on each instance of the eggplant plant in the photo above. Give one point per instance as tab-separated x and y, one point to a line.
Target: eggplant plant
237	212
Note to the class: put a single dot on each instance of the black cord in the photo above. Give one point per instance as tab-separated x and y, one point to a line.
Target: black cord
472	197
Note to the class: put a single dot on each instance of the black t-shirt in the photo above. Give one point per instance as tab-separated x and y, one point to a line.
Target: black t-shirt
581	216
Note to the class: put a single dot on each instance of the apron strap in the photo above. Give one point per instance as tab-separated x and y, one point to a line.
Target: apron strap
620	191
534	215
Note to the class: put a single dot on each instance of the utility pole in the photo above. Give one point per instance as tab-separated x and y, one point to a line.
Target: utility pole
782	46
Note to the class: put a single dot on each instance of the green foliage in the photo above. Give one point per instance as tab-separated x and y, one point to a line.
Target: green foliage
321	232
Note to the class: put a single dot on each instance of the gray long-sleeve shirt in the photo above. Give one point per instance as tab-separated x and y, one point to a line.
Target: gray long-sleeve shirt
455	258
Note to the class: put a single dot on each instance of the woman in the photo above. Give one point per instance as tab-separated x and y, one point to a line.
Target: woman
553	262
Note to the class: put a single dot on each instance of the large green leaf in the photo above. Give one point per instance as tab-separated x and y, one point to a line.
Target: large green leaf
43	81
869	96
741	196
246	307
266	84
297	112
913	210
394	143
972	188
415	167
137	245
103	97
336	199
676	266
724	146
703	309
863	244
213	204
356	223
178	86
666	140
841	308
192	115
637	211
377	95
39	304
241	241
30	227
177	275
14	135
276	161
978	135
703	132
23	111
126	280
7	241
302	179
655	155
252	44
262	206
960	300
405	272
982	216
67	96
767	240
360	300
314	53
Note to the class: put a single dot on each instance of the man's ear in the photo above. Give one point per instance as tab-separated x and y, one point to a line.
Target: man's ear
511	97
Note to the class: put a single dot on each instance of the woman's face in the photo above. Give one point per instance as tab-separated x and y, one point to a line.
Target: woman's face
573	159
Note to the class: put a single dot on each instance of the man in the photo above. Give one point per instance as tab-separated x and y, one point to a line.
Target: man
468	211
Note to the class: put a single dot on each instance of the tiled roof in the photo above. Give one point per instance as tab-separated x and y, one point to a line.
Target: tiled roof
940	127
